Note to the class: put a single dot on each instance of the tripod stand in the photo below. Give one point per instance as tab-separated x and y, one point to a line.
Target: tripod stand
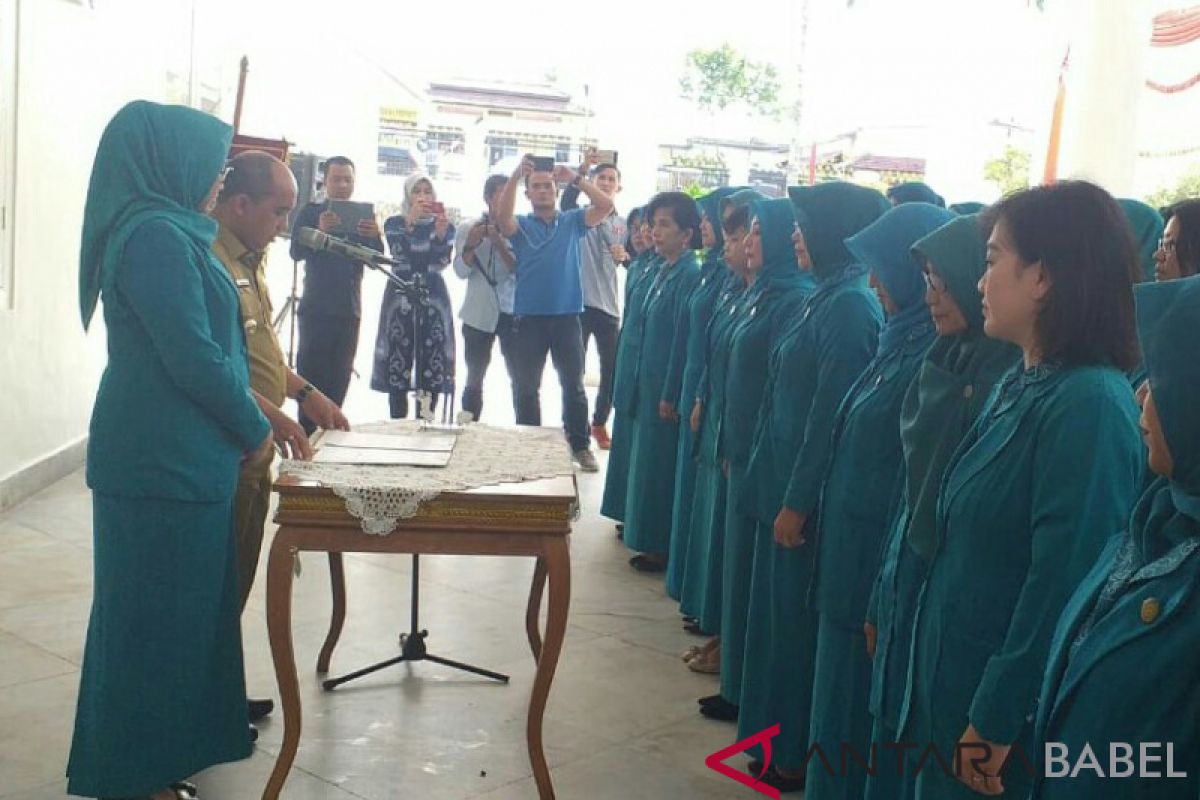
288	312
412	645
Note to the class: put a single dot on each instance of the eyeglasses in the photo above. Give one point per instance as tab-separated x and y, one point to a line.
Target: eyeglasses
935	282
1166	245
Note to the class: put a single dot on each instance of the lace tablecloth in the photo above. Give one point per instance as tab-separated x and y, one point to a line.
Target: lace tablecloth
483	456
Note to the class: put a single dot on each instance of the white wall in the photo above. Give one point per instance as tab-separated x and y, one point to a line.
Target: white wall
76	67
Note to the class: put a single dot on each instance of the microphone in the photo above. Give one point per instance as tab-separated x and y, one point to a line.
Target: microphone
316	240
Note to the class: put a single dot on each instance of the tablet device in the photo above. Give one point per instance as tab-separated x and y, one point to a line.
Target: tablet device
350	213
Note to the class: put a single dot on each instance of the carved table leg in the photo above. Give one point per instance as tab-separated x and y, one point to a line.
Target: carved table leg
533	612
558	570
337	583
279	629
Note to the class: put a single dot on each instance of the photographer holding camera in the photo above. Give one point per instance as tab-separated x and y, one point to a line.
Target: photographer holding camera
484	258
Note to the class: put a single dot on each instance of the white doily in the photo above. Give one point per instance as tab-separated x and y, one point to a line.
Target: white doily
380	496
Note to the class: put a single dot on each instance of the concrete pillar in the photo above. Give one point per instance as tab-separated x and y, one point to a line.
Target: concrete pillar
1109	45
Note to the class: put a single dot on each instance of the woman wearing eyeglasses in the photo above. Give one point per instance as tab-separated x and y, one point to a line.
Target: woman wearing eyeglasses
941	405
1051	467
1178	253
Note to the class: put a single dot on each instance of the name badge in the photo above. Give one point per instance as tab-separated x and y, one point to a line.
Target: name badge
243	283
251	325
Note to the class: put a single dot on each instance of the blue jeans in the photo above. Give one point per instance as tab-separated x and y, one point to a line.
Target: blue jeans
562	337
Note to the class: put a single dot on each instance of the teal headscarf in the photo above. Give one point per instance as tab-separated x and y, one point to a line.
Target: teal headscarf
955	378
1168	317
710	207
1147	226
967	207
828	214
153	162
914	192
885	246
776	221
738	198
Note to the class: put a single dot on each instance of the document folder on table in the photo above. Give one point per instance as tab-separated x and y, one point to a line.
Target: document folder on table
382	449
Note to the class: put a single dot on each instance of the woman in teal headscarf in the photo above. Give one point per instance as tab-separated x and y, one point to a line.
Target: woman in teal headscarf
162	693
1052	466
967	207
699	311
827	343
955	379
641	274
701	594
1147	226
778	288
1125	656
914	192
862	491
675	229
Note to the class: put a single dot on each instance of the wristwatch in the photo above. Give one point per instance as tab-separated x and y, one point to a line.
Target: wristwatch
304	392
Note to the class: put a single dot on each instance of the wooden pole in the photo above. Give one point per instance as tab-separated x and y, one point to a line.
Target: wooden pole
241	94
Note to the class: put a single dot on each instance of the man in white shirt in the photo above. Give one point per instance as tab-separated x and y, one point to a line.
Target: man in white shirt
485	259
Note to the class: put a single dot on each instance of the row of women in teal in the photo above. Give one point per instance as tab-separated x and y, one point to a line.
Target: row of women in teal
162	692
955	379
862	490
826	344
713	277
1124	658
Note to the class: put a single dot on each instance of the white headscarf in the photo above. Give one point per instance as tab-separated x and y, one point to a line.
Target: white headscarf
410	185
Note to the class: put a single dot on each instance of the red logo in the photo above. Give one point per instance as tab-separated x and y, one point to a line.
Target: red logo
716	762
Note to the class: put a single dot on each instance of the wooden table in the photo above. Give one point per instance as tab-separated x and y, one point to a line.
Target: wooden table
523	519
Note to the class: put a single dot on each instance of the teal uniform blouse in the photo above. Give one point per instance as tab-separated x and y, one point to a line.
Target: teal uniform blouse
1049	470
1125	656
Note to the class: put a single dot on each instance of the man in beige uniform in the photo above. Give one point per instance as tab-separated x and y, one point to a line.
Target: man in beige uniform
252	210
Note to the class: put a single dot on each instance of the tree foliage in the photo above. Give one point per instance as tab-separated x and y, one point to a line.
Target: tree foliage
1010	172
722	77
1187	188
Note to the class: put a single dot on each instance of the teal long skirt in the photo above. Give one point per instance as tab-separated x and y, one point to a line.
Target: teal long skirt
894	777
781	633
616	476
162	693
840	714
700	596
650	497
737	565
681	518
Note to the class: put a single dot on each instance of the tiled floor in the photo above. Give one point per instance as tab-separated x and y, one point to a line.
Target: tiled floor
622	719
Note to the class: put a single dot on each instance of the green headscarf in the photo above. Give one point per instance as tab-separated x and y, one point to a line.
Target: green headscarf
1147	225
741	197
1168	317
967	207
153	162
955	379
830	213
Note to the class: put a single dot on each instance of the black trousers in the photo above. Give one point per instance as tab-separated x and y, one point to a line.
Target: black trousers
602	327
325	355
561	336
477	350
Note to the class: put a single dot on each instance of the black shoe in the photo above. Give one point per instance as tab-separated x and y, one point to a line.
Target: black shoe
694	629
783	783
720	709
645	563
712	698
754	768
259	709
184	789
253	734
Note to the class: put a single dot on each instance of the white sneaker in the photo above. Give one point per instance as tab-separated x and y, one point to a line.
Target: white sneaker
586	460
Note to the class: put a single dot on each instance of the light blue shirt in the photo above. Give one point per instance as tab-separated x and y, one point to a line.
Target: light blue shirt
548	264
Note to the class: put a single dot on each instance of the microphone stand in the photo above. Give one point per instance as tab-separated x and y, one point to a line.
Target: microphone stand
412	644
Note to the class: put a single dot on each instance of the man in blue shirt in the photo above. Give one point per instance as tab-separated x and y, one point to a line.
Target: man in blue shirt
549	295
